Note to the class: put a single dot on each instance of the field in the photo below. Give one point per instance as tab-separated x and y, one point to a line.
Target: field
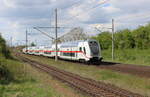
29	82
125	81
130	56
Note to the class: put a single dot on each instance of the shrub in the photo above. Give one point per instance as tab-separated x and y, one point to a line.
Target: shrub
5	75
126	39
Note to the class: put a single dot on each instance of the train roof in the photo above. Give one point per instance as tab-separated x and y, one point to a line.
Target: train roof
65	44
71	44
47	47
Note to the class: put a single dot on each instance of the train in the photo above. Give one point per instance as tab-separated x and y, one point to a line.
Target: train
81	50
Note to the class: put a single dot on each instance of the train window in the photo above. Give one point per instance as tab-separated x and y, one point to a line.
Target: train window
69	54
80	48
95	43
47	52
76	54
36	52
84	50
72	54
65	54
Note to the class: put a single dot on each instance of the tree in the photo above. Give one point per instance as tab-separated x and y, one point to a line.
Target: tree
105	40
142	37
126	39
4	51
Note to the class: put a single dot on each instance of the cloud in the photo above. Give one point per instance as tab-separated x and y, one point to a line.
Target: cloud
26	3
17	15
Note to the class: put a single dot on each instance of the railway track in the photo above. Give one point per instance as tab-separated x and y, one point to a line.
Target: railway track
88	86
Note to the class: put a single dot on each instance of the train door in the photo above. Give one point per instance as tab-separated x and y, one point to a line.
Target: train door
81	56
76	53
71	53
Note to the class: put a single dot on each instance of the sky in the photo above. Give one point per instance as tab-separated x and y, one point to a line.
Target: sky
18	15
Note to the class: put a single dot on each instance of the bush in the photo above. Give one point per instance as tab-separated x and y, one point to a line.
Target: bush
4	49
126	39
105	40
5	75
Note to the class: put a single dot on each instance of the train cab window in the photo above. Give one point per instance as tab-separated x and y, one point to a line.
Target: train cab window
80	48
84	50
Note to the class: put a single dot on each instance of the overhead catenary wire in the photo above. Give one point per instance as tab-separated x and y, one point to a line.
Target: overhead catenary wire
44	33
143	16
75	3
134	16
86	11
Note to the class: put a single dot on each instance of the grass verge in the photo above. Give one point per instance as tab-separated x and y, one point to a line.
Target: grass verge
129	56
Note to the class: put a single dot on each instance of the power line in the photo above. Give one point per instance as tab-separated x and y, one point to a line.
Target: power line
43	32
53	27
88	10
76	3
134	16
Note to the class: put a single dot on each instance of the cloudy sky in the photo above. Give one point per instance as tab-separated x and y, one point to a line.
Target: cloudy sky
18	15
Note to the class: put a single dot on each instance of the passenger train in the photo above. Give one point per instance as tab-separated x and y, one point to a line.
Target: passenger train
83	51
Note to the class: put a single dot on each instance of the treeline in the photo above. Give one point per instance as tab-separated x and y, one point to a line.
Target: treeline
4	51
126	39
5	75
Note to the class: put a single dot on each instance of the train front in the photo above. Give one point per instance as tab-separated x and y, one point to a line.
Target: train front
95	51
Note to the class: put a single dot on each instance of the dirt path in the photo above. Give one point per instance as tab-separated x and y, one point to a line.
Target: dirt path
142	71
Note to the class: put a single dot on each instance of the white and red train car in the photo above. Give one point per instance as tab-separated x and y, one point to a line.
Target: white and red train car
84	50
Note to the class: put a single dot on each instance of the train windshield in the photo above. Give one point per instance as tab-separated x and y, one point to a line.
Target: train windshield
94	47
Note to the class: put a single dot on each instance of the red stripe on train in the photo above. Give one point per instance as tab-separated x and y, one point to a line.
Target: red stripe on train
60	51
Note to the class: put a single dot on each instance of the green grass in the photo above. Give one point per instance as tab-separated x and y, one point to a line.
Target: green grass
126	81
29	82
129	56
24	84
26	89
